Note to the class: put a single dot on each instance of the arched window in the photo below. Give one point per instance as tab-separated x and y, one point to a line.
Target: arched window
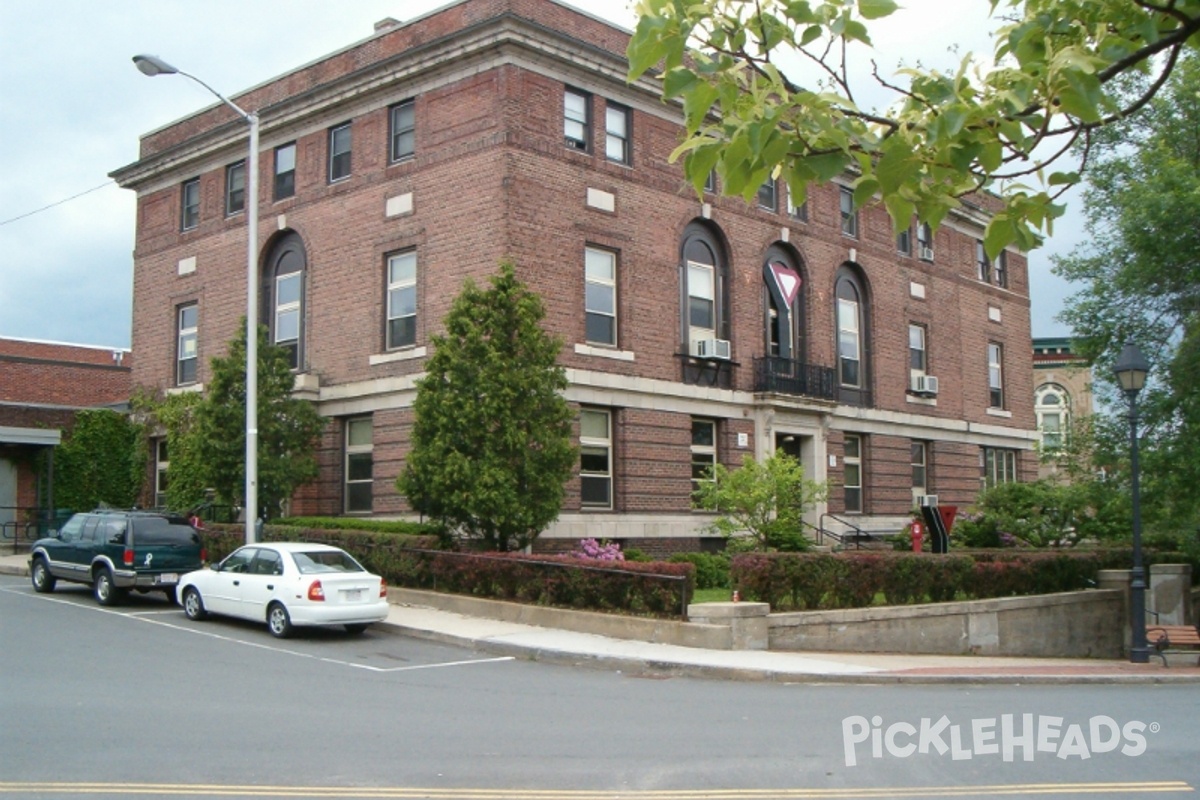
283	296
704	279
1053	406
853	337
783	320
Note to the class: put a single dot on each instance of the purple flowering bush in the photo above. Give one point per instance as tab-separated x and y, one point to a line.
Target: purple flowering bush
598	551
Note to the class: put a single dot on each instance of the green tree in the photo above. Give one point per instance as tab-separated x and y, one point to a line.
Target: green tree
288	428
996	125
174	416
101	461
761	501
492	437
1140	273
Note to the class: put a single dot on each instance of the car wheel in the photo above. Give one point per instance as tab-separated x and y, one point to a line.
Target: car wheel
106	593
43	581
356	628
278	621
193	606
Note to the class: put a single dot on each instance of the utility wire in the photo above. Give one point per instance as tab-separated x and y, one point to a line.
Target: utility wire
59	203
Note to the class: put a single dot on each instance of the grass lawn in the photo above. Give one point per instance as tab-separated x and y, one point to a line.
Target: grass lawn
712	596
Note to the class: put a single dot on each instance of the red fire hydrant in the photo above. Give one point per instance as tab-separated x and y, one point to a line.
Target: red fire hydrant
918	535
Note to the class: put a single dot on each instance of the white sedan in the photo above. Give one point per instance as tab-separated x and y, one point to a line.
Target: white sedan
286	585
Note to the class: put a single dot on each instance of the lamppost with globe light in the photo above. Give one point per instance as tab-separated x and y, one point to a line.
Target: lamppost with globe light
1130	370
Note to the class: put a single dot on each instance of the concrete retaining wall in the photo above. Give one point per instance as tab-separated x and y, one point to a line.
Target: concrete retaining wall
616	626
1070	625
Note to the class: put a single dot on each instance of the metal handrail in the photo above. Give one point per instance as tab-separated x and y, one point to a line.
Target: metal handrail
859	533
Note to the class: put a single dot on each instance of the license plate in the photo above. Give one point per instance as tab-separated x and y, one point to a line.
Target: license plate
353	594
167	577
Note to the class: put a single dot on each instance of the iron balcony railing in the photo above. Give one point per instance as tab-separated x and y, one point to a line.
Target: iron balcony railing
788	376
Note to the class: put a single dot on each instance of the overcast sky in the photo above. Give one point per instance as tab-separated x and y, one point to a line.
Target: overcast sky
72	107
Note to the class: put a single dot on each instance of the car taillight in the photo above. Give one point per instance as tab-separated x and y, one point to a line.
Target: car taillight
382	587
315	592
128	557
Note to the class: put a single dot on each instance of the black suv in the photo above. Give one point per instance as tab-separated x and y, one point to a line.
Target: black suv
116	551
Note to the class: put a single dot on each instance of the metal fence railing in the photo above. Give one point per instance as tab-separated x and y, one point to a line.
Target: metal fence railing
21	526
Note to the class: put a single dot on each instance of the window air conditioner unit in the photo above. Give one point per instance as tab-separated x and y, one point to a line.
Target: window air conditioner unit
924	384
927	253
927	500
712	348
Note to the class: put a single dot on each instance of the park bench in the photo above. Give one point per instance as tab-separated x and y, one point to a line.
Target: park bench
1173	640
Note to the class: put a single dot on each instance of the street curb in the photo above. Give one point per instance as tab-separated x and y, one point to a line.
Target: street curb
6	569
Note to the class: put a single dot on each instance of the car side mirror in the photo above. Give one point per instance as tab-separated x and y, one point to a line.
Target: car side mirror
215	567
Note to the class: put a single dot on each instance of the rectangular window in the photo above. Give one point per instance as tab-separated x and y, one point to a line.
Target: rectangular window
925	242
904	242
702	317
797	211
1000	270
1052	429
704	452
235	188
852	467
595	459
849	342
710	183
339	152
287	314
161	464
402	300
576	122
999	466
359	466
983	263
600	296
189	205
768	196
185	349
616	128
403	121
916	349
285	171
995	375
920	472
849	215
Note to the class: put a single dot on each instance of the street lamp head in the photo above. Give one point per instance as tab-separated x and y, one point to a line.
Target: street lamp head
1131	369
153	65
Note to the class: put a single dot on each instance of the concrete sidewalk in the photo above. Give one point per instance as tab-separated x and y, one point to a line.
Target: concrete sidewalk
647	658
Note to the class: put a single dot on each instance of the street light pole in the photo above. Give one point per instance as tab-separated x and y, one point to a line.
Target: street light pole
1131	369
152	65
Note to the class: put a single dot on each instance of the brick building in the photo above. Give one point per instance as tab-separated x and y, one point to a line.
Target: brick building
694	328
1062	393
42	385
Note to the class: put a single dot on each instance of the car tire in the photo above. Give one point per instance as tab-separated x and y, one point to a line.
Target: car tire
193	604
279	622
106	592
356	627
39	574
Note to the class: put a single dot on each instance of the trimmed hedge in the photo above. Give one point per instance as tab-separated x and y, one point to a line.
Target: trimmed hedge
792	581
358	524
712	569
653	588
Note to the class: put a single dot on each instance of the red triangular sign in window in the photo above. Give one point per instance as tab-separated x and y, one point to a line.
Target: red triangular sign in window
788	281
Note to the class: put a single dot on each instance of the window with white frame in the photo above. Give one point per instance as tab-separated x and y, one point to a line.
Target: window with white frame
904	241
704	452
701	290
616	133
1000	269
995	375
285	170
797	211
849	214
920	469
703	277
401	300
283	294
925	241
288	291
576	121
768	195
600	296
917	354
403	123
982	262
339	152
852	480
999	465
849	337
189	205
359	466
1052	404
161	465
187	325
595	459
235	188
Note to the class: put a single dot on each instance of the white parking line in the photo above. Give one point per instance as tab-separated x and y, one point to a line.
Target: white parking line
147	617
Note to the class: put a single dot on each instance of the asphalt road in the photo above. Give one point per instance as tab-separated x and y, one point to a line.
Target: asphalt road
138	700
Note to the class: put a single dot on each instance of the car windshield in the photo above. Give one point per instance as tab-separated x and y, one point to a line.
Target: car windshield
163	530
325	561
